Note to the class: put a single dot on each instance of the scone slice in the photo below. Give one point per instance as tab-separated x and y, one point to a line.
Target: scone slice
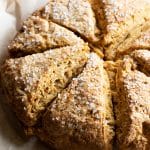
32	82
117	19
39	34
81	117
76	15
133	106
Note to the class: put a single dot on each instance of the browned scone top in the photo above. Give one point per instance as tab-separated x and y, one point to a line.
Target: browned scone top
38	35
81	117
63	90
76	15
107	24
117	19
133	106
31	82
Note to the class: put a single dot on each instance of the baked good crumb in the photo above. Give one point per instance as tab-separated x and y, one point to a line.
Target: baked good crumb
76	15
38	35
117	19
32	82
132	107
82	115
89	85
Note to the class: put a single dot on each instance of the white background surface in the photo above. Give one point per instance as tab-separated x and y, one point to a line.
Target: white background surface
12	13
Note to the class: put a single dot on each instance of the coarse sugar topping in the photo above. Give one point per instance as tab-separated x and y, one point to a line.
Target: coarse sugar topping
85	96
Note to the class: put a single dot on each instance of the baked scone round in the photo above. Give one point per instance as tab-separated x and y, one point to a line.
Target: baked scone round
79	74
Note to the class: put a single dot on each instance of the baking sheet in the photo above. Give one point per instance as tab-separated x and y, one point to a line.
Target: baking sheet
12	13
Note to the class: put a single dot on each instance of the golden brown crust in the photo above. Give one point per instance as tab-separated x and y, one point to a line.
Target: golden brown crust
82	114
76	15
31	82
38	35
77	113
133	106
119	18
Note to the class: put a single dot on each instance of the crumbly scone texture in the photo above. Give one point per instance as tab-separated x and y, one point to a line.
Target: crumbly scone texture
38	34
76	15
119	18
112	26
141	59
81	116
132	107
65	97
32	82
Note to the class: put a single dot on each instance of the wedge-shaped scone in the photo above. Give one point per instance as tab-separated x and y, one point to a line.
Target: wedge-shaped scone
133	106
142	57
130	44
32	82
117	19
81	117
38	34
76	15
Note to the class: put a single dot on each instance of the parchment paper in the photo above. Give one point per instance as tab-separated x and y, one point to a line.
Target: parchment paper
12	13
